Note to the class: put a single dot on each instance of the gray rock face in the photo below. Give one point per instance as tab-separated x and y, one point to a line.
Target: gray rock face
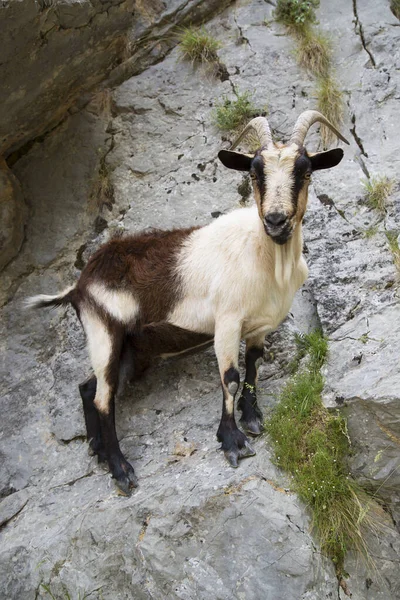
51	52
12	215
196	529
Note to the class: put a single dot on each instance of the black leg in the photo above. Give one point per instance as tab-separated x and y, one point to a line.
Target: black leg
87	390
234	443
252	417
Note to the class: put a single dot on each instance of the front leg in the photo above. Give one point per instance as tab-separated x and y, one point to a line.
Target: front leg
234	443
252	418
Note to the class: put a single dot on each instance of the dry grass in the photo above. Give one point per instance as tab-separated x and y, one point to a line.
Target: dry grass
378	190
198	46
330	103
314	52
392	238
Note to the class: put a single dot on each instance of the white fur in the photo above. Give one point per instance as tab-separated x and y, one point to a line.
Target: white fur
100	349
36	301
119	304
231	267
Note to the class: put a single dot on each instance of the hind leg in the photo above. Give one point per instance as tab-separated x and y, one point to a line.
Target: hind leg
105	345
87	390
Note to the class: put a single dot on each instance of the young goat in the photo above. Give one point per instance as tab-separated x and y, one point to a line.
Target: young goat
166	292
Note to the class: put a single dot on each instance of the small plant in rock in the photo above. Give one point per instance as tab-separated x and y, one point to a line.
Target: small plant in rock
312	444
393	241
371	231
230	115
378	190
296	13
330	104
198	46
314	52
395	8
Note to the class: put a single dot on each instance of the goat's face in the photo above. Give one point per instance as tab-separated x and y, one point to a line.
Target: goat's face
280	177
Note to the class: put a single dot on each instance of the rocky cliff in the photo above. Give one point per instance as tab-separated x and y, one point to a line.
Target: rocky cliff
143	155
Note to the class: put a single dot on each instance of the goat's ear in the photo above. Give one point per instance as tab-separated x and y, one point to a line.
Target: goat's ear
326	160
234	160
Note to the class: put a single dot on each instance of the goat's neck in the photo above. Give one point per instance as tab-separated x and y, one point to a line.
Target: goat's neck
285	258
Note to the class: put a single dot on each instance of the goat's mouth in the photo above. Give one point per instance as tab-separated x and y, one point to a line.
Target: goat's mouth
279	235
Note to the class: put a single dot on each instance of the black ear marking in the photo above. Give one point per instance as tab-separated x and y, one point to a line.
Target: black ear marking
235	160
326	160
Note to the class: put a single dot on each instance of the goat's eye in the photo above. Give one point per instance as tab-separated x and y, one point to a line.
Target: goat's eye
253	175
307	175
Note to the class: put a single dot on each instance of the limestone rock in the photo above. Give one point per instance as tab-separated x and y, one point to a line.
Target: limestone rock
13	214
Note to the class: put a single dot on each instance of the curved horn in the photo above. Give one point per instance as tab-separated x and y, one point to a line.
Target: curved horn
305	121
261	127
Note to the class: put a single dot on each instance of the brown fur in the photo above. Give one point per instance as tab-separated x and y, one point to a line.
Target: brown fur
144	263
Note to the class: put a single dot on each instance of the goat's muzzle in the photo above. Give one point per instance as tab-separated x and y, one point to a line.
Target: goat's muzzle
278	226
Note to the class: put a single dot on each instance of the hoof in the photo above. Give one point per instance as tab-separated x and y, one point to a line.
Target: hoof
235	454
253	427
127	483
125	477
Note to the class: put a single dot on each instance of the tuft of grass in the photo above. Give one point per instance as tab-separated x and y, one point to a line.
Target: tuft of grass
330	104
392	238
395	8
198	46
378	190
312	444
231	115
296	14
371	231
314	52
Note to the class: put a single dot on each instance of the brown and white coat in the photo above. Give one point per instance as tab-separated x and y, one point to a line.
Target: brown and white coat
166	292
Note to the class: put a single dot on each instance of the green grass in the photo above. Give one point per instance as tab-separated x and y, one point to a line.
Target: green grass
296	14
231	115
198	46
371	231
314	52
330	104
395	8
378	190
312	444
392	237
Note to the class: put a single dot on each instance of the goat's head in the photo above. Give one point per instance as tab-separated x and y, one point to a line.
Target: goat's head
281	172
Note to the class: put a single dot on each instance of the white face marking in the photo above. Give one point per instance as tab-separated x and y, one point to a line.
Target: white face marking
278	171
100	349
118	304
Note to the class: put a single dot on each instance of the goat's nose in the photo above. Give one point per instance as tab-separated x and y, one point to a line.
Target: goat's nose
275	219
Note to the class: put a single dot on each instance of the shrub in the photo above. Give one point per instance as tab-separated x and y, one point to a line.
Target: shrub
296	13
230	115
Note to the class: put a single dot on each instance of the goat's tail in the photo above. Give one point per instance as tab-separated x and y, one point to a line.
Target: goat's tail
43	301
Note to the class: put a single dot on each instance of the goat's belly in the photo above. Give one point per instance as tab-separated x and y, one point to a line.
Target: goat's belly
194	314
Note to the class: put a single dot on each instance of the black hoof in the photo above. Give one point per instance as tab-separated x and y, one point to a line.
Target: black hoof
234	443
124	476
233	455
252	426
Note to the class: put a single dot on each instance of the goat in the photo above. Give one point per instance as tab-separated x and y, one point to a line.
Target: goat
166	292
